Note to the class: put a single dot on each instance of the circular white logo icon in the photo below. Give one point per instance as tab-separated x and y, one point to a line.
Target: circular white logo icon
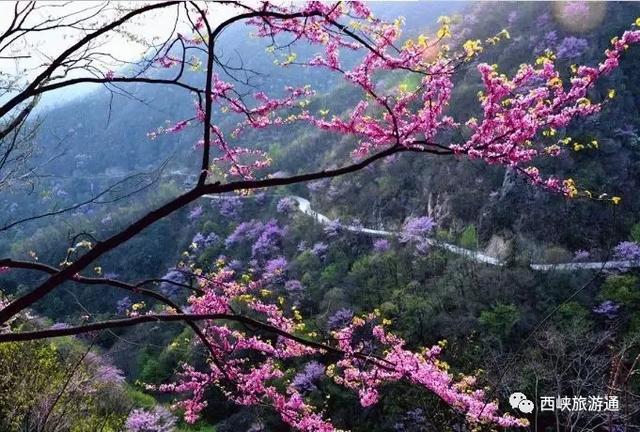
520	402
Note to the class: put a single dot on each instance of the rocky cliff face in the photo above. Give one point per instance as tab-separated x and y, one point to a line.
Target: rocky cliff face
500	246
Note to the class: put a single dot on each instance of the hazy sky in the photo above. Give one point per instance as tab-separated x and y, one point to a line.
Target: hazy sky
150	26
40	47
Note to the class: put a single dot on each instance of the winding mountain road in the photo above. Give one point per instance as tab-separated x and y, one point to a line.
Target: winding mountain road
305	207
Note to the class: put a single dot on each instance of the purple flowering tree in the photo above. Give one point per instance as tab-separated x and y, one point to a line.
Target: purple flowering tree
109	374
320	249
211	239
416	230
575	10
195	213
608	309
545	36
203	241
275	268
381	245
416	227
198	240
340	318
571	47
229	206
627	251
123	305
286	205
548	41
305	380
333	228
172	277
294	290
269	239
157	420
245	231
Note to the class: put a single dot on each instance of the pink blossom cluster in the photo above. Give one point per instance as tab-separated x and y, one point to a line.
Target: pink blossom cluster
252	368
157	420
395	362
519	112
243	161
402	117
167	61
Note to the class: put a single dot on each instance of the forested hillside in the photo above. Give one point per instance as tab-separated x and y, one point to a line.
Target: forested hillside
312	305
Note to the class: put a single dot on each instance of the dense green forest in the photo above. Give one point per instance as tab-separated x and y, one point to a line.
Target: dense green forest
514	328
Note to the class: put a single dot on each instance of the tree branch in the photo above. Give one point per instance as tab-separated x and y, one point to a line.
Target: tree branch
208	103
128	322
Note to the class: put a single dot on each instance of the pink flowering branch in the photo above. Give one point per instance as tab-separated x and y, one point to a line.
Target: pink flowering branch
401	364
518	112
359	368
368	357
